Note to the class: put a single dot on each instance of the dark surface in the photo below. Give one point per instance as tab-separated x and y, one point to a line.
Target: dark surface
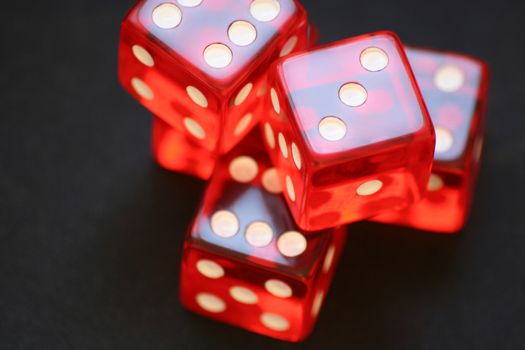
91	229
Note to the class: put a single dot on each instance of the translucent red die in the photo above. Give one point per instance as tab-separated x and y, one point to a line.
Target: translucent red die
201	65
348	129
455	90
245	262
177	151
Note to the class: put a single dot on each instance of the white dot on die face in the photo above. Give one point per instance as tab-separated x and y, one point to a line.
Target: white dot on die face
275	322
197	96
289	46
259	234
275	101
373	59
270	137
444	140
242	33
143	55
243	169
189	3
282	145
142	89
194	128
210	302
290	188
278	288
270	181
332	128
291	244
296	155
318	302
369	188
167	16
449	78
243	295
329	259
265	10
243	124
353	94
435	183
225	224
210	269
243	94
218	55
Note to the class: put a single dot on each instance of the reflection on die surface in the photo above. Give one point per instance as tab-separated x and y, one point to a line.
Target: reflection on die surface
201	65
455	90
245	261
348	129
177	151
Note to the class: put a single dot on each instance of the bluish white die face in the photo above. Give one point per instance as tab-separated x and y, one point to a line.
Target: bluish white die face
244	214
450	85
352	94
221	38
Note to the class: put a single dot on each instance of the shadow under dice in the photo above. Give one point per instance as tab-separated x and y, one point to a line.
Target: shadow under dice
348	129
201	65
177	151
245	262
455	90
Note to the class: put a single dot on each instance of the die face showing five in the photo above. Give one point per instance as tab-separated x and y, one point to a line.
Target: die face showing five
201	65
455	90
348	128
246	262
174	150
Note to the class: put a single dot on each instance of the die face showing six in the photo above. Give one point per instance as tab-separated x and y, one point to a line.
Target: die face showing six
348	128
245	261
174	150
455	90
201	65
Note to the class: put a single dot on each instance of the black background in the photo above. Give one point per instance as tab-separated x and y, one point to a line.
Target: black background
91	229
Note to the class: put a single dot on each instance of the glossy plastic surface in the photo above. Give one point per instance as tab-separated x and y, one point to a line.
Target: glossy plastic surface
347	127
201	65
455	90
245	262
177	151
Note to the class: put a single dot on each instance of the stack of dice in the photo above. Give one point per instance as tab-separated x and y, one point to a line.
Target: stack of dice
295	142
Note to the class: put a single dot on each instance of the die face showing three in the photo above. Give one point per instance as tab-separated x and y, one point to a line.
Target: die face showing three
245	261
455	90
201	65
347	127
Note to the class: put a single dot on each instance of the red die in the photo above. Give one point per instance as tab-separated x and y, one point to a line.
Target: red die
245	262
201	65
180	152
455	90
347	127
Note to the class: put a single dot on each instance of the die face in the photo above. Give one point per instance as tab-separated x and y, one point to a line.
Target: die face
157	65
455	90
176	151
352	95
245	254
245	193
221	39
341	163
